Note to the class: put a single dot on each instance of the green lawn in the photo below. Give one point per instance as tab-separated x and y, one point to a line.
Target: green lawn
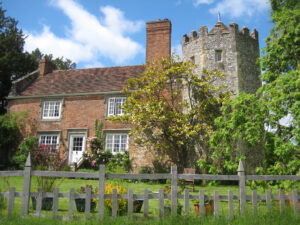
276	218
138	188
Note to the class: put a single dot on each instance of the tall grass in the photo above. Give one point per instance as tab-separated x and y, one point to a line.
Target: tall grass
275	218
4	187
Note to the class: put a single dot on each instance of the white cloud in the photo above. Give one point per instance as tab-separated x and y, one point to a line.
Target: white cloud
93	64
88	38
196	3
48	43
238	8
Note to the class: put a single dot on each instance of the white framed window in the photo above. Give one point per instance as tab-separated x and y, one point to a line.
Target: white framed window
116	143
51	109
49	141
115	106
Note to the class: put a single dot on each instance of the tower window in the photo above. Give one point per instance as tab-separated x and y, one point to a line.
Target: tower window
218	55
193	59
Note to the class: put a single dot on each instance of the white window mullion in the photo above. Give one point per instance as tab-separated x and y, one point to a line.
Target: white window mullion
49	140
116	142
51	109
115	106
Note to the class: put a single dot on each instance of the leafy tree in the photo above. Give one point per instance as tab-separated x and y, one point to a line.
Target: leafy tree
272	117
60	62
281	54
240	132
172	110
10	136
281	91
13	62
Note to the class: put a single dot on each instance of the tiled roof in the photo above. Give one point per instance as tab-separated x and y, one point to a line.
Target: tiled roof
83	80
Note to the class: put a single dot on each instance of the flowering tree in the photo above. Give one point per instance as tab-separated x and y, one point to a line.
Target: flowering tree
172	110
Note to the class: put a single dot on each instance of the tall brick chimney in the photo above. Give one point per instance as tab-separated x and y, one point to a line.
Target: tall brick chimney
45	66
158	39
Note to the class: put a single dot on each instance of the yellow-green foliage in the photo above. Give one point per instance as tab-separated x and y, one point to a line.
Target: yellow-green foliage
162	120
122	203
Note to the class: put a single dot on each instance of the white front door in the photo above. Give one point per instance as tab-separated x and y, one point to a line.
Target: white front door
76	148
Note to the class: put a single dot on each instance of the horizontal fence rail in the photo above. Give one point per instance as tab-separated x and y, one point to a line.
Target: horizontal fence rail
173	196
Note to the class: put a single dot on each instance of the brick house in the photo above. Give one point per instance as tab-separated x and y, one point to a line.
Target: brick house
64	104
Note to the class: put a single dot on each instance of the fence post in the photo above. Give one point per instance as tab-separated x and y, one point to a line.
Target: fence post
26	186
202	203
295	201
216	204
101	190
130	202
11	200
55	201
187	202
242	187
88	202
146	203
174	190
161	203
230	204
268	200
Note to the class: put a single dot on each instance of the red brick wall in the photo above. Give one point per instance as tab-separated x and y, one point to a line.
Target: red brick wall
158	39
77	112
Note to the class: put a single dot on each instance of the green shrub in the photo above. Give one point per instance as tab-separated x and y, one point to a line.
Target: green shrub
119	163
145	170
27	145
160	167
10	136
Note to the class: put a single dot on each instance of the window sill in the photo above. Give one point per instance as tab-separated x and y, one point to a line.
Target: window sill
50	120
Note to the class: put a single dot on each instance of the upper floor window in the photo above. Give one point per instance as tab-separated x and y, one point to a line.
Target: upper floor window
51	109
116	142
49	141
218	55
115	106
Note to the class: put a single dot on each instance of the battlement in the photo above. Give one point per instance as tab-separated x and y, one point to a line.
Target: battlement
220	29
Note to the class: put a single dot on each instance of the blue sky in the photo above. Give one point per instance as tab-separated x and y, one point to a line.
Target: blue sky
97	33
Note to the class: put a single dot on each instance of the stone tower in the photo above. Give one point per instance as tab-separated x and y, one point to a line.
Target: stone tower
228	49
236	53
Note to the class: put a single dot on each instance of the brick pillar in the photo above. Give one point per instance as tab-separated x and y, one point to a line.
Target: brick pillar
158	39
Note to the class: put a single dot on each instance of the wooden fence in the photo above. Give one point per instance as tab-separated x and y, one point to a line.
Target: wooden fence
174	176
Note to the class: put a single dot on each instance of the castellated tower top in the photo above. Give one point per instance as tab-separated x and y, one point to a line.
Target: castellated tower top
233	51
221	28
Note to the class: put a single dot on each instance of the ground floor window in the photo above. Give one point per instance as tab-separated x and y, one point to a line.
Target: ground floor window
50	141
116	142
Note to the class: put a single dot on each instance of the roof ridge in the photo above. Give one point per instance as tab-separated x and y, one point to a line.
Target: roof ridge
101	67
